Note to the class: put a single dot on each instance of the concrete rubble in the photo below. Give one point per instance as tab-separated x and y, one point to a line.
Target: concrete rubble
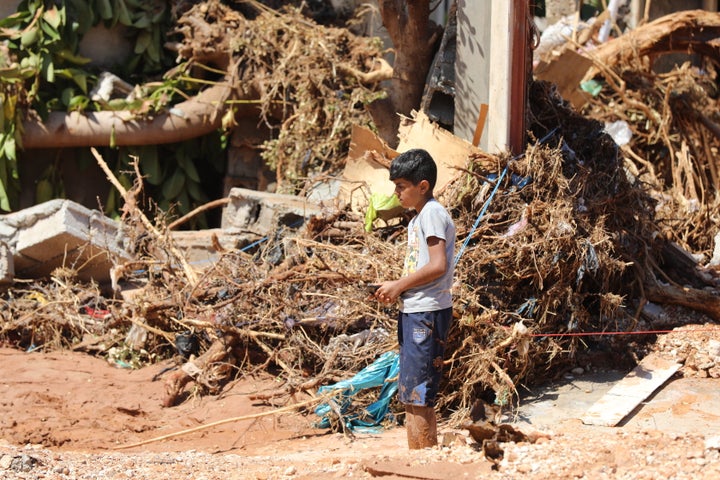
59	233
251	211
39	239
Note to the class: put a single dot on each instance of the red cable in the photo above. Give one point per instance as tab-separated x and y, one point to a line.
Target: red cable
643	332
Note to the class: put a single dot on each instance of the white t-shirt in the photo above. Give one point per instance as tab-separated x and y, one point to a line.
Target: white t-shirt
432	221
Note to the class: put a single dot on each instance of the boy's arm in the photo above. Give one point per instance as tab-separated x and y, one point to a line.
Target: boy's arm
389	291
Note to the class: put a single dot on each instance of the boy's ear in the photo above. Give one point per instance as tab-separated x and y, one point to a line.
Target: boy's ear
425	186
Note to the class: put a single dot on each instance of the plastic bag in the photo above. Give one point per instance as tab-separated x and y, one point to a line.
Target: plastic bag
379	202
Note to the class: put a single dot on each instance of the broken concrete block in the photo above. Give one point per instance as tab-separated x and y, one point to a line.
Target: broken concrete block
261	213
7	266
202	248
63	233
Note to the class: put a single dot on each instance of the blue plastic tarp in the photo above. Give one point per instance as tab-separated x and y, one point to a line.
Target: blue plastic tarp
382	372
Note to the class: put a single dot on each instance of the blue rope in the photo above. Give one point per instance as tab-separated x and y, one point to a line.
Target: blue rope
492	194
482	213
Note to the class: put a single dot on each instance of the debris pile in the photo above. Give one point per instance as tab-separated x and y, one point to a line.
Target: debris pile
550	256
310	83
553	255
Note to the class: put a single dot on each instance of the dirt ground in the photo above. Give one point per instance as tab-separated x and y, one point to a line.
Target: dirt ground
68	415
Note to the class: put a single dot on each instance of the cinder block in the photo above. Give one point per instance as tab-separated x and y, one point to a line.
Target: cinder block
63	233
203	248
260	213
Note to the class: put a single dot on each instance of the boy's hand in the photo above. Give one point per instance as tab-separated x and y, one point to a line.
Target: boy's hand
388	292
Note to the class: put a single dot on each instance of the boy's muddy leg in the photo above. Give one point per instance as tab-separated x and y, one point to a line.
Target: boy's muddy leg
421	426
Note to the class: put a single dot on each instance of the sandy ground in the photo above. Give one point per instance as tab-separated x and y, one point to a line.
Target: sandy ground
71	416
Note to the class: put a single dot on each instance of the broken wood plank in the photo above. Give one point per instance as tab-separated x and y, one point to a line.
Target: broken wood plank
625	395
482	116
428	471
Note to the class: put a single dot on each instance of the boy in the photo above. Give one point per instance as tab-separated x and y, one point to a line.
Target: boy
424	289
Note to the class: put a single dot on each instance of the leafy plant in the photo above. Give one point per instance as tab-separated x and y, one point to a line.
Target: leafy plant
42	70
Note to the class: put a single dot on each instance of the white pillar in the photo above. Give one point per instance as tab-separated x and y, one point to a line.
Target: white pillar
500	72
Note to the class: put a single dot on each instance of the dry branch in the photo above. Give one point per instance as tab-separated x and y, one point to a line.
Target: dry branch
688	31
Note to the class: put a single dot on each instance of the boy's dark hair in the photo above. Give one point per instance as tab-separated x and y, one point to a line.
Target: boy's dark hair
415	166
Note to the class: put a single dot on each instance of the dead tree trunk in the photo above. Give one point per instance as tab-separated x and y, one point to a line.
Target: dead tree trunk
691	287
415	39
703	301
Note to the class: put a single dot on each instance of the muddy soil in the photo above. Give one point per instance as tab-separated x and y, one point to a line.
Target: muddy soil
68	415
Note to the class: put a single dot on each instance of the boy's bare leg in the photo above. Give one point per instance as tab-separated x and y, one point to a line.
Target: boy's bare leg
421	426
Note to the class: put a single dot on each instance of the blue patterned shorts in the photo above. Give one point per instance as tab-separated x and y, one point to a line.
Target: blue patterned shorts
422	337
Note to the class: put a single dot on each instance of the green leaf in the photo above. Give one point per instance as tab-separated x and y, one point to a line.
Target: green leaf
187	164
84	15
142	22
51	32
43	191
4	199
48	69
104	9
4	161
69	56
52	17
32	61
16	19
76	75
9	148
33	7
143	42
123	13
67	95
174	185
153	49
151	165
78	103
195	192
117	104
29	37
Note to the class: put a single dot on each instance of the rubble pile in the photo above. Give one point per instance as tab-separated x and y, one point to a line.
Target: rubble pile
696	347
550	256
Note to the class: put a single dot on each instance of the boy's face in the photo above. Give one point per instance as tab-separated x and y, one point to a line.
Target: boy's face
411	195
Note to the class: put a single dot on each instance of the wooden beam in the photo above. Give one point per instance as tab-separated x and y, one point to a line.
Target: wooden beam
480	124
624	396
